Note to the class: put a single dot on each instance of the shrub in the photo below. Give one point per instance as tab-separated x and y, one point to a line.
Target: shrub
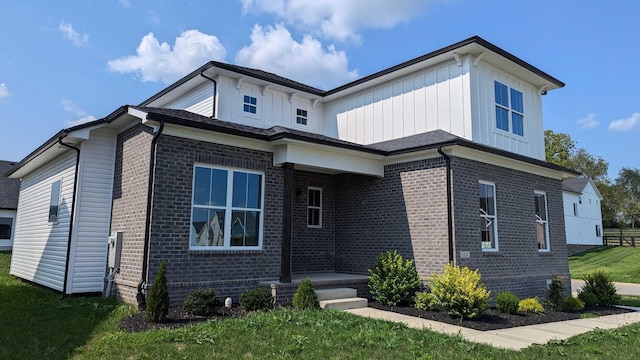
201	302
555	293
394	280
571	304
530	305
459	292
158	305
588	299
507	302
599	284
256	299
305	296
424	301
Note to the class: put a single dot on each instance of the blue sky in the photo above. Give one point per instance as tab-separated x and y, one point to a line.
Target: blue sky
65	62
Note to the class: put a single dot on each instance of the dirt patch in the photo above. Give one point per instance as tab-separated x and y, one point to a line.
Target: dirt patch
177	318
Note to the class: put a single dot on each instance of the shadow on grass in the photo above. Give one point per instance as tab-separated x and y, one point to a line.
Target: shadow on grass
592	251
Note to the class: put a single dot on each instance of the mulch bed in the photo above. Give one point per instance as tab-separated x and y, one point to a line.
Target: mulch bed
177	318
494	319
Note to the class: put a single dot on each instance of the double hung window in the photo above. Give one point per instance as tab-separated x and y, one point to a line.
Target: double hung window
301	117
314	207
509	109
250	104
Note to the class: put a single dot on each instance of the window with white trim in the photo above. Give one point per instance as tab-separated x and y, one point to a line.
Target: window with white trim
488	218
542	220
226	208
250	104
6	226
301	117
314	207
509	109
598	231
54	202
575	209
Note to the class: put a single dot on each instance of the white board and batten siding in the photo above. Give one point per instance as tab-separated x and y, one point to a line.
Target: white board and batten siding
580	228
40	247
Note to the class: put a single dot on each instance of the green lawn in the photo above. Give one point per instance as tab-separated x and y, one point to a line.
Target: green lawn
35	323
622	263
629	300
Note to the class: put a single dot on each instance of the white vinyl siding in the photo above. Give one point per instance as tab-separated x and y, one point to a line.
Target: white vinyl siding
199	100
580	228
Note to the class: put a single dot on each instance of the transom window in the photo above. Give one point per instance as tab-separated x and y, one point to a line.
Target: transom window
301	117
314	207
250	104
488	220
542	222
226	208
509	105
54	202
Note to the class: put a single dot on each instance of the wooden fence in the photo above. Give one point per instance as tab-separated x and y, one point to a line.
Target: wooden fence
620	237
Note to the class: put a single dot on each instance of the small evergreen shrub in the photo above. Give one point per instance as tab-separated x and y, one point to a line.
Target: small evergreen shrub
530	305
158	304
305	296
424	301
393	280
202	302
507	302
571	304
555	295
588	299
599	284
256	299
460	292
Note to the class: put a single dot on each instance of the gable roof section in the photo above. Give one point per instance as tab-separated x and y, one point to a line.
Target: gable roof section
575	185
9	188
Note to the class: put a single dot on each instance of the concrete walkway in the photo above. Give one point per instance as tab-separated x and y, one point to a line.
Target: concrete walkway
514	338
623	288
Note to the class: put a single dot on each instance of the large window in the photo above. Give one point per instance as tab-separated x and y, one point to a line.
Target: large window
314	207
509	106
488	223
6	224
226	209
542	221
54	202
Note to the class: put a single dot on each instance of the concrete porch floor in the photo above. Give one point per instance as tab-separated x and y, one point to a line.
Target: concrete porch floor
332	278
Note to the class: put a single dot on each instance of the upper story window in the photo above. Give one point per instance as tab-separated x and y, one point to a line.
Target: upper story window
314	207
488	219
509	109
301	117
250	104
575	209
54	202
542	221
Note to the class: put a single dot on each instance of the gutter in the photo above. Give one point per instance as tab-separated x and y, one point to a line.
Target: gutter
73	210
447	161
140	297
215	91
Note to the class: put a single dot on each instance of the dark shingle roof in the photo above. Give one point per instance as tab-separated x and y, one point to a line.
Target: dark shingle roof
9	188
405	144
575	185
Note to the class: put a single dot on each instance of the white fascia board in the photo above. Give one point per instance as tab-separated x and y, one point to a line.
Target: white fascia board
216	137
142	115
595	188
43	158
327	158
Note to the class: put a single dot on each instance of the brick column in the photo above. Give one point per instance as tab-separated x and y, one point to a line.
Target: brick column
287	217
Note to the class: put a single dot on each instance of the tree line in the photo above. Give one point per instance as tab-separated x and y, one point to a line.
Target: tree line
621	197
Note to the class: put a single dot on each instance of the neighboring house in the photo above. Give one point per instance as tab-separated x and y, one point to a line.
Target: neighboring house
241	178
9	190
582	214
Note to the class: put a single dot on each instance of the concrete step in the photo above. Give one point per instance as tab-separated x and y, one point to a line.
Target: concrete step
344	304
338	293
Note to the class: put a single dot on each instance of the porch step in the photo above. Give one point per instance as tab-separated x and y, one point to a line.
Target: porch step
344	303
338	293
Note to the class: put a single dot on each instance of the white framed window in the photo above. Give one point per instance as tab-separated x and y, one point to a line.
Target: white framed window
250	104
226	208
598	231
509	109
542	220
314	207
488	216
301	117
54	202
6	228
575	209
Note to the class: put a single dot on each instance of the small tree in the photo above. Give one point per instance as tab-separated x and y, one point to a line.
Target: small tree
158	305
394	280
305	296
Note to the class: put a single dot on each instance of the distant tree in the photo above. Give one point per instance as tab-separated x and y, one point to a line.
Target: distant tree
558	147
590	165
613	198
629	180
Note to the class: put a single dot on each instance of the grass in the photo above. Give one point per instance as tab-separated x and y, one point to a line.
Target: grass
629	300
35	323
621	263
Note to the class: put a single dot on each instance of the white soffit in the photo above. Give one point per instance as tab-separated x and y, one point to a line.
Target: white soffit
327	158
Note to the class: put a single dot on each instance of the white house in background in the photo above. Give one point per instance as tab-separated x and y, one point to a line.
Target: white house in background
582	214
9	190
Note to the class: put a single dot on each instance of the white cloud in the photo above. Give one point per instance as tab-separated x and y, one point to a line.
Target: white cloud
339	19
76	38
273	49
625	124
70	107
153	17
125	3
82	120
588	122
155	61
4	91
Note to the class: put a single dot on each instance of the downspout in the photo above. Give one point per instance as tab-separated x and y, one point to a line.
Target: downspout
215	90
447	161
140	298
73	211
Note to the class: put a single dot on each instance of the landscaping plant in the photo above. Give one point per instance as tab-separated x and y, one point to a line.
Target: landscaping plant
393	280
555	294
158	304
305	296
530	305
460	292
600	284
256	299
588	299
202	302
507	302
570	303
424	301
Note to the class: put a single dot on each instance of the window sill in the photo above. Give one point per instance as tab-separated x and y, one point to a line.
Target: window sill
213	252
509	134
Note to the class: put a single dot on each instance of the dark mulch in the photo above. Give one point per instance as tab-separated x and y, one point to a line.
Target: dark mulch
494	319
177	318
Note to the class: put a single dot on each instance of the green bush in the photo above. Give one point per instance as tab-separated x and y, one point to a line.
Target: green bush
305	296
394	280
158	305
599	284
555	294
459	292
507	302
424	301
588	299
201	302
571	304
530	305
256	299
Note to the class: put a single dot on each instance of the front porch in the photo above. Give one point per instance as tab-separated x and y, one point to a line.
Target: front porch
283	291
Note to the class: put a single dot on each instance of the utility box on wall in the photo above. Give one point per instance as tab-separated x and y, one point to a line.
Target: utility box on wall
115	249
